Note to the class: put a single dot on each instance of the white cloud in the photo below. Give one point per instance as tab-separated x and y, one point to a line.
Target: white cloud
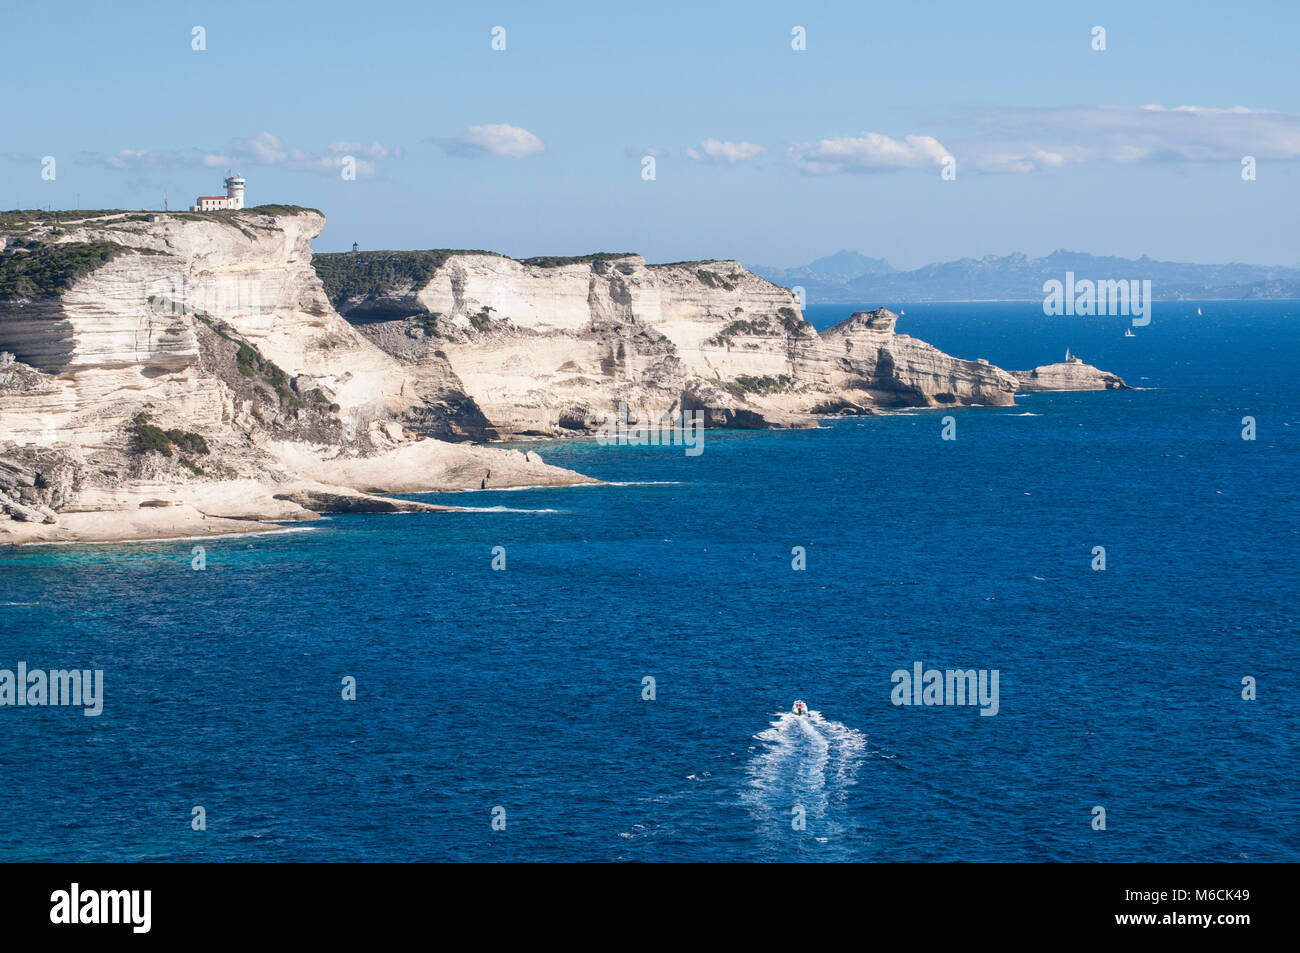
132	158
715	150
868	152
331	165
1010	140
1205	110
1017	140
373	151
268	149
500	139
265	148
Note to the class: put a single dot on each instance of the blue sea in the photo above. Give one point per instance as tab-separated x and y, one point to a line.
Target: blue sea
517	694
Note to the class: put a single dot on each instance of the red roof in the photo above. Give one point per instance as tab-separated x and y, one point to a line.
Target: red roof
205	198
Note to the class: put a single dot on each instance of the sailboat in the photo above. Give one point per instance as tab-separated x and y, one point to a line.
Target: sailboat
1128	333
1198	310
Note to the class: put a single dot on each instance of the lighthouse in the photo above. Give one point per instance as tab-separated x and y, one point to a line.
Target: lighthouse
235	191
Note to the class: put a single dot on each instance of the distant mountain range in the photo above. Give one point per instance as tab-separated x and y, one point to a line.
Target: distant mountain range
848	277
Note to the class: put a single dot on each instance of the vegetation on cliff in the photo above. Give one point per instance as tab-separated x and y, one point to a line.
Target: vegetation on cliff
353	275
150	438
555	261
791	321
26	218
715	280
35	270
681	264
21	220
250	363
786	323
744	384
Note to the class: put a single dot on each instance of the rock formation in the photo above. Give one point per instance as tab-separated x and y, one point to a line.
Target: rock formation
546	347
185	371
167	374
1067	375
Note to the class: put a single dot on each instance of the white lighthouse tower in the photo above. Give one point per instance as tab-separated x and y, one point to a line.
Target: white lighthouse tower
235	191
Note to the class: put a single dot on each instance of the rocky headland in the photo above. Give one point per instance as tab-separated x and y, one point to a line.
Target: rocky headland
172	374
549	346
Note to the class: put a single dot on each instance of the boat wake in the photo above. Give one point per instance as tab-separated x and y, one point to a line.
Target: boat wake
805	761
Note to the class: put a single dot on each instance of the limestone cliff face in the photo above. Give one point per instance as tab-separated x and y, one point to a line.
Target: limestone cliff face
552	346
195	351
548	348
871	361
196	366
129	332
540	348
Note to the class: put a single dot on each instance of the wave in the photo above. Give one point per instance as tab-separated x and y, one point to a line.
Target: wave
554	486
806	761
171	539
501	509
505	489
636	483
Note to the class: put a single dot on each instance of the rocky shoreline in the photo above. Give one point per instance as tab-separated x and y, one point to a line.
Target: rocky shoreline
170	375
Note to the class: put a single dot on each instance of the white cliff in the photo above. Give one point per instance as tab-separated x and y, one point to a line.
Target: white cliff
167	374
214	329
546	347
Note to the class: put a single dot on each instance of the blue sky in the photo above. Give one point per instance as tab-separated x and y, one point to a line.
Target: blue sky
763	153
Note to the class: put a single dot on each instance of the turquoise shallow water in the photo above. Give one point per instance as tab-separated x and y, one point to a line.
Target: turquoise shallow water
523	688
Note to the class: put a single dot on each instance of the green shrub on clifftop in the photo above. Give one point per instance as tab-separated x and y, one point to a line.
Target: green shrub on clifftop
358	275
555	261
39	270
